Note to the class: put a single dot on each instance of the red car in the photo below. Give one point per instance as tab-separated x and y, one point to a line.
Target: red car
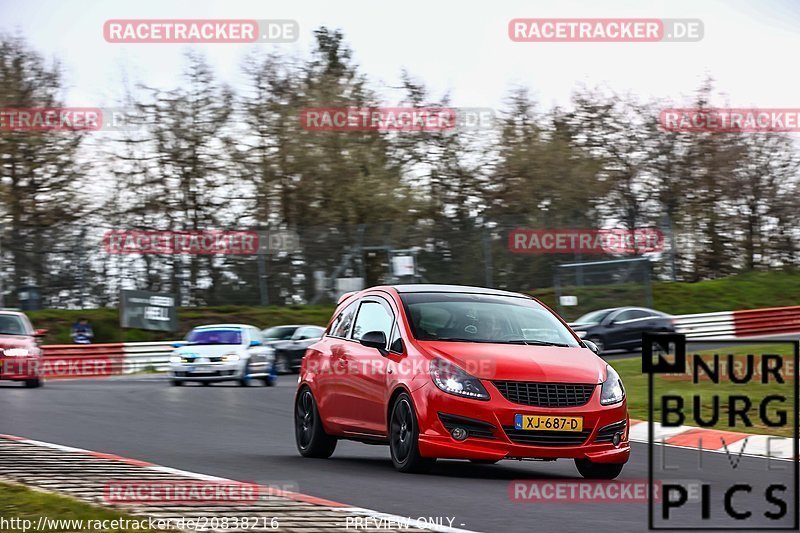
442	371
20	354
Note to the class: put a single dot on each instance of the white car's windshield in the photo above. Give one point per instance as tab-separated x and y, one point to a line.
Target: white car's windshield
215	336
460	317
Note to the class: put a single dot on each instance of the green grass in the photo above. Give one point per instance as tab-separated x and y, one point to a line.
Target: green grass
19	502
753	290
636	383
744	291
105	322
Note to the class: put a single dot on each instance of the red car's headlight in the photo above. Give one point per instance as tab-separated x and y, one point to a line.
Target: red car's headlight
612	390
453	380
17	352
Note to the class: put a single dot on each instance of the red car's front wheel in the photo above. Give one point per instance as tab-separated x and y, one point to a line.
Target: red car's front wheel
404	438
312	441
34	383
590	470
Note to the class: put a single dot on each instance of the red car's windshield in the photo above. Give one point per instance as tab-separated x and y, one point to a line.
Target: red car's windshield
12	325
461	317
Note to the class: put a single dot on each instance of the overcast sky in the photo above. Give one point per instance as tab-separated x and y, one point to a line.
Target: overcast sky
750	48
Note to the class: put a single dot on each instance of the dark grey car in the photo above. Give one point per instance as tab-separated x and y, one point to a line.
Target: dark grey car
289	351
621	327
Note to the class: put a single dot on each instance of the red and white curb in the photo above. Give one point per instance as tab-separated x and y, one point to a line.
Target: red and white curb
368	520
714	440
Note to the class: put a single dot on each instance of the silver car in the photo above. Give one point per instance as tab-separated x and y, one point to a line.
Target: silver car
223	352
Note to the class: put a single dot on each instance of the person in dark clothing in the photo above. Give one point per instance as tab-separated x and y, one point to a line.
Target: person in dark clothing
82	332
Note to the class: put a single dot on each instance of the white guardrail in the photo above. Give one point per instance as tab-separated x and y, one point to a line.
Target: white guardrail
140	356
712	326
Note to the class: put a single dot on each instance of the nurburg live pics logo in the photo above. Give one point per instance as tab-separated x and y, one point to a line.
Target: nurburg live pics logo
753	497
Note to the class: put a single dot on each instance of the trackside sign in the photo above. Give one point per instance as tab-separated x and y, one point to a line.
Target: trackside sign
148	310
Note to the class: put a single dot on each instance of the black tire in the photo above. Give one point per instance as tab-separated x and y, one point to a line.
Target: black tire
310	436
34	383
206	383
282	364
177	382
244	381
599	342
269	381
590	470
404	438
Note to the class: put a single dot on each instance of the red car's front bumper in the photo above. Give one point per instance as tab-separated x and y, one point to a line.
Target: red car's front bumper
501	441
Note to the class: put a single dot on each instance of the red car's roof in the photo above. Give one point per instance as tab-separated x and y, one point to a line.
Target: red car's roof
463	289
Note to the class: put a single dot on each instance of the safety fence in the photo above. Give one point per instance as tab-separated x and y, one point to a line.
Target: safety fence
774	321
99	360
712	326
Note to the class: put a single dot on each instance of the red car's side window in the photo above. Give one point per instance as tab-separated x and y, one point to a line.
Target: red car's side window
373	316
341	324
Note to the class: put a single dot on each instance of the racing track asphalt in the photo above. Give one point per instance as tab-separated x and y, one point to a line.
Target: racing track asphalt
247	434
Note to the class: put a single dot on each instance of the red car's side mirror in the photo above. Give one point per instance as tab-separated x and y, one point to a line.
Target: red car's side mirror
375	339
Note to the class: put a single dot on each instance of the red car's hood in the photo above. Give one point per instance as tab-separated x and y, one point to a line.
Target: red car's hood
16	341
521	363
8	342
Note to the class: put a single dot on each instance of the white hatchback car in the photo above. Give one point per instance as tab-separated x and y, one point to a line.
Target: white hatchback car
223	352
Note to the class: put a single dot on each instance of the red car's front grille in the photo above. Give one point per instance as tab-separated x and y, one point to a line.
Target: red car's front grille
545	394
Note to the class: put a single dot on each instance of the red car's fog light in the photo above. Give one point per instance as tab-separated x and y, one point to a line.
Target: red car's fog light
459	433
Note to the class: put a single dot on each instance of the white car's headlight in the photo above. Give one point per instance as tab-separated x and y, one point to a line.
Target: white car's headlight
580	334
175	359
612	390
230	357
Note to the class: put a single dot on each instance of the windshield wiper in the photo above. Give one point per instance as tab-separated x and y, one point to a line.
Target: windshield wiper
460	339
497	341
538	343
